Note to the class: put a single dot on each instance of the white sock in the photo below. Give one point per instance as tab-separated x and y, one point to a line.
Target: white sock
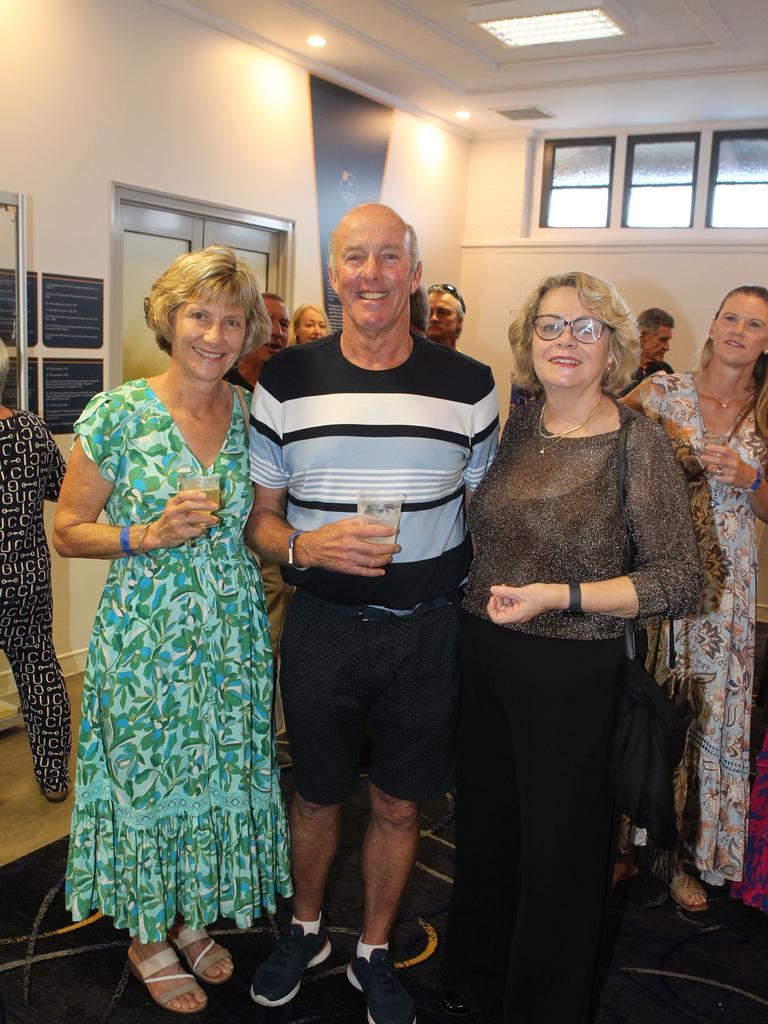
364	950
310	927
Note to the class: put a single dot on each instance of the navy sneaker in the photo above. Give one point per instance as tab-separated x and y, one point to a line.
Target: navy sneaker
278	979
388	1002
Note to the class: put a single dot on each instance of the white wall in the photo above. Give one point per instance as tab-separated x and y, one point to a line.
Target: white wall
103	91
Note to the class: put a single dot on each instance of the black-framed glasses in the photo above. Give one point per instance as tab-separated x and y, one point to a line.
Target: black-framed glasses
452	290
586	329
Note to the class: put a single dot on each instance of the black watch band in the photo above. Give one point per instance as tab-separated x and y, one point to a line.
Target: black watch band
574	598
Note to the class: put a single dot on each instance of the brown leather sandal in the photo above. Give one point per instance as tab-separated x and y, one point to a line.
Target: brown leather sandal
165	958
186	937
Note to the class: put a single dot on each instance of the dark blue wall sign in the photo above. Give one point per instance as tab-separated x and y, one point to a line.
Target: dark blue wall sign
73	311
9	396
8	306
68	386
351	135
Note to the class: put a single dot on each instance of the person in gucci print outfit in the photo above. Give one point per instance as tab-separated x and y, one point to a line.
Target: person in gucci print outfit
31	471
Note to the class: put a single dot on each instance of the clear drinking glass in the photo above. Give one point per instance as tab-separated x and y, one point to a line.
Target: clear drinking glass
382	507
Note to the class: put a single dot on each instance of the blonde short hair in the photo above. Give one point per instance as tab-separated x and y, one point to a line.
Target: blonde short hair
208	274
599	297
296	320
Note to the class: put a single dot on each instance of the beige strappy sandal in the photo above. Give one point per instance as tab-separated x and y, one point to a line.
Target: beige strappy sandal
185	938
165	958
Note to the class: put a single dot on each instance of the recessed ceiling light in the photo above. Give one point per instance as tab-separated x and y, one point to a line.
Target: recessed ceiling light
537	22
463	115
553	28
317	41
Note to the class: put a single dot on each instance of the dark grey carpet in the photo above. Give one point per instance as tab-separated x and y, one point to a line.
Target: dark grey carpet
666	966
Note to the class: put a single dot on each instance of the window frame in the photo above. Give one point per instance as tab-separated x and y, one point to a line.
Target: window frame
550	145
714	160
629	164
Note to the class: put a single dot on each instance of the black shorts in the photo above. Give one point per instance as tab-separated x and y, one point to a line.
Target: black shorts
402	675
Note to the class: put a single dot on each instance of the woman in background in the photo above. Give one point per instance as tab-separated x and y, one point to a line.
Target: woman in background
753	888
717	421
31	471
543	641
178	816
307	324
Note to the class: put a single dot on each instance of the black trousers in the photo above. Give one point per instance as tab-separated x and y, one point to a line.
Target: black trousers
27	640
534	823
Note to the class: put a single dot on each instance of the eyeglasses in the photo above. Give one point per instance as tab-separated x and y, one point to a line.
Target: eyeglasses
586	329
452	290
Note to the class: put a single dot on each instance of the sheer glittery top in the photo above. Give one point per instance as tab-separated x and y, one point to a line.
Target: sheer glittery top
553	516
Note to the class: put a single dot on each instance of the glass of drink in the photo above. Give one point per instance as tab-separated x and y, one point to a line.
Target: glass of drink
188	480
205	482
383	508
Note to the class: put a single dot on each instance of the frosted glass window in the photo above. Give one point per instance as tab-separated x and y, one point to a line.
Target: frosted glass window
581	166
742	160
740	206
577	183
663	163
660	182
578	208
739	180
664	206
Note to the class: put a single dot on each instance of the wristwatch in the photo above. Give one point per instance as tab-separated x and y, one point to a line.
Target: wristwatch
757	482
291	542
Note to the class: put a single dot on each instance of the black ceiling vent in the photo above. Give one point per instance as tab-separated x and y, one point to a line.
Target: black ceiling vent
524	113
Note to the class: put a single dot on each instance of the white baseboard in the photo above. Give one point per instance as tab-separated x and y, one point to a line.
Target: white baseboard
71	662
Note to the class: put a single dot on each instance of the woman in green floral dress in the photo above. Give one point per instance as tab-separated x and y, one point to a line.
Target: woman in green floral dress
178	818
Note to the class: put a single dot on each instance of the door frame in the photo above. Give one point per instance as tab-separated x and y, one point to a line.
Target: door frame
128	195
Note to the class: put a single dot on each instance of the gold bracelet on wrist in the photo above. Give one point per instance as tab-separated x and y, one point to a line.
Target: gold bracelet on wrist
142	535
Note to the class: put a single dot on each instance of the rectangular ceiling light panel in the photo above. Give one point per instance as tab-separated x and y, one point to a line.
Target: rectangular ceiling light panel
562	27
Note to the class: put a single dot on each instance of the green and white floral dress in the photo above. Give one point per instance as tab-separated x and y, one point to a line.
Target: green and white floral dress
177	804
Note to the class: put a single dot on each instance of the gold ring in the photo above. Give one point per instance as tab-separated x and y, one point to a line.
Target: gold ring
188	522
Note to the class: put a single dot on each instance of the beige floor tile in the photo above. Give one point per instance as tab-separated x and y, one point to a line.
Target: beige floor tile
27	820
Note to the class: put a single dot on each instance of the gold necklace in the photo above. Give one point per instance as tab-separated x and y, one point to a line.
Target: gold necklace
547	435
727	402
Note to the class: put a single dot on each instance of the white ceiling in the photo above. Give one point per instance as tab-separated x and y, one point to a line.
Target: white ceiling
681	61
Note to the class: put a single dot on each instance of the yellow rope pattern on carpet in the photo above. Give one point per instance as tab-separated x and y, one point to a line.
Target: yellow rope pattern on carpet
57	931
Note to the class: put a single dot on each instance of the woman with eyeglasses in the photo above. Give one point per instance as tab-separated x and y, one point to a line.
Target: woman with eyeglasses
543	641
717	420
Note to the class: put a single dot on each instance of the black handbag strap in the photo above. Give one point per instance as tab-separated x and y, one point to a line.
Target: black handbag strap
630	625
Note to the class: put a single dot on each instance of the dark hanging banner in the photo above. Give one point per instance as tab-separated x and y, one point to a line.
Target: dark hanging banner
9	391
351	135
68	386
73	311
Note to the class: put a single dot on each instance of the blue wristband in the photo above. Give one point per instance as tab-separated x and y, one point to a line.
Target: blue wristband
125	540
757	481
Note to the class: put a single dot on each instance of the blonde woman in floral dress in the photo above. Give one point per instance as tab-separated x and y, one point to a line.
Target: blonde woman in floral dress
178	818
717	420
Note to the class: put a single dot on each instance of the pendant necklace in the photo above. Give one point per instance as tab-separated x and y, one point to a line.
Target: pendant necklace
719	401
546	435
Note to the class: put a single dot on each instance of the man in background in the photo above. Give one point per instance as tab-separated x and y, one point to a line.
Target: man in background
656	326
246	372
446	314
